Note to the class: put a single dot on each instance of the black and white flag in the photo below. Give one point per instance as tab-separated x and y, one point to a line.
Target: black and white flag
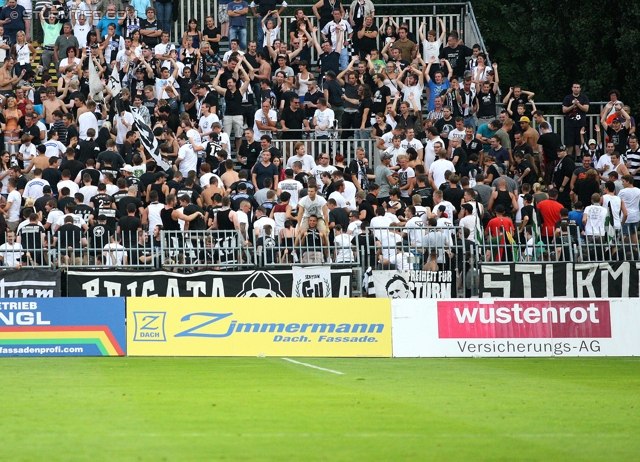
149	141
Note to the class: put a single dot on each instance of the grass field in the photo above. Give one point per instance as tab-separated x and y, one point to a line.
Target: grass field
144	409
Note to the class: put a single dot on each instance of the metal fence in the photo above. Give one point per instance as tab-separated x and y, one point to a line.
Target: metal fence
332	146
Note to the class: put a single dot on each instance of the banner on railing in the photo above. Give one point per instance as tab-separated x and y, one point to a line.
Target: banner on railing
206	284
414	284
515	328
252	327
29	283
312	282
56	327
552	280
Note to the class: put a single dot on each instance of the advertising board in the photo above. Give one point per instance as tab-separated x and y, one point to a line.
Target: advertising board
258	327
62	327
515	328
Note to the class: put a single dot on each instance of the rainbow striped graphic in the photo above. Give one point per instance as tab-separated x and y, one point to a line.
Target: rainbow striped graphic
99	336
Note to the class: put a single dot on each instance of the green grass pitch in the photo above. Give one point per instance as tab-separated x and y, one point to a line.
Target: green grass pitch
192	409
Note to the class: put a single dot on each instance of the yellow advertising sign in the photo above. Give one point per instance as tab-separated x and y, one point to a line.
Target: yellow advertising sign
258	326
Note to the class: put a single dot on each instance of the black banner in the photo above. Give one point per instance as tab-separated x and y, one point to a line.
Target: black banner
201	284
549	280
29	283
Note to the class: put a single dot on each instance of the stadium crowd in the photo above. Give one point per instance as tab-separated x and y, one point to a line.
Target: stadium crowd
146	132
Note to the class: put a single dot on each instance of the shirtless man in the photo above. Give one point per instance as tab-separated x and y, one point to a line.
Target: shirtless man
6	81
52	103
41	161
230	176
209	191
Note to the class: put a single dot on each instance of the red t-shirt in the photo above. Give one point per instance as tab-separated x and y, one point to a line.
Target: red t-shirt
550	211
498	225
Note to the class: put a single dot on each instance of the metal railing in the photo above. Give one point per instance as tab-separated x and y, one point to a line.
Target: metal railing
331	146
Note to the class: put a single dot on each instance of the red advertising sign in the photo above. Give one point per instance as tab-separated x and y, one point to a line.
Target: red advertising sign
524	319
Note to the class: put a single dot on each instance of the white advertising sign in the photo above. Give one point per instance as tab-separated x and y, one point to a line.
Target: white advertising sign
515	328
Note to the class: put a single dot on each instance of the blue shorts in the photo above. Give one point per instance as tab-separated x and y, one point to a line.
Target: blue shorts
629	228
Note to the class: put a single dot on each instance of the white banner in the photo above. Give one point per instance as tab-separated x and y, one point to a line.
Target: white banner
414	284
311	282
515	327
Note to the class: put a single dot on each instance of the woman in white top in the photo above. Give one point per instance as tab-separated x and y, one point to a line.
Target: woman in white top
481	70
23	52
270	29
71	60
302	79
5	170
431	46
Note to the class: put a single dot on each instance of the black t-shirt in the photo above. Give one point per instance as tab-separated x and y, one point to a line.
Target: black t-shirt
564	168
486	104
462	159
313	99
335	92
618	138
100	235
102	206
379	99
365	44
129	229
366	206
191	192
198	223
149	25
365	103
124	201
112	158
212	33
339	216
576	117
531	176
234	103
53	176
69	235
34	131
550	142
524	149
251	152
457	57
31	236
329	62
455	196
293	120
93	173
408	122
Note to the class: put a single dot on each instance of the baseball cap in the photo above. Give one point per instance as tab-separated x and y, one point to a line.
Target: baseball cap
161	175
102	217
46	189
617	119
385	155
560	148
467	207
525	119
127	168
592	141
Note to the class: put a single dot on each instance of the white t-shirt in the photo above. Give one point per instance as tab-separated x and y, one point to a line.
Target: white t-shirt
205	124
387	139
405	176
11	254
349	195
228	54
596	216
401	261
330	29
77	220
113	254
86	121
54	148
313	207
605	159
342	244
80	32
272	116
429	152
416	92
317	172
335	195
88	192
293	187
414	143
430	49
271	34
307	162
121	128
65	62
260	223
324	119
455	133
16	202
189	159
616	208
28	153
438	169
631	199
34	188
415	230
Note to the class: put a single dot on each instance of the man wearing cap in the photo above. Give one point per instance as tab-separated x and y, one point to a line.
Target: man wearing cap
385	177
618	131
562	176
530	136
